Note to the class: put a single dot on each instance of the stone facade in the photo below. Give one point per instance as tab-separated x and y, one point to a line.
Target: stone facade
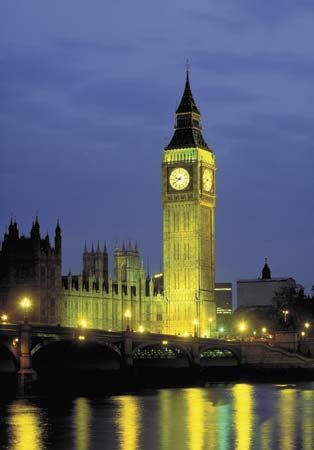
102	301
30	267
189	198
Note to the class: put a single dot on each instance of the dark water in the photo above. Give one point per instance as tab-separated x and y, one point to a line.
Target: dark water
235	416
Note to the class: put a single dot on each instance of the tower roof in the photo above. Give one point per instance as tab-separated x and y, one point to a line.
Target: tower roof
188	123
187	103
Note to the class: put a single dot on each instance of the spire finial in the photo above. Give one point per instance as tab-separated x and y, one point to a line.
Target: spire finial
187	67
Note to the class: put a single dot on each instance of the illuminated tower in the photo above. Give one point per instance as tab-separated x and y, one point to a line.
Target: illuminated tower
188	198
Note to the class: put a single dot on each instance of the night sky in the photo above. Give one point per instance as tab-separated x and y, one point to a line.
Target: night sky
88	92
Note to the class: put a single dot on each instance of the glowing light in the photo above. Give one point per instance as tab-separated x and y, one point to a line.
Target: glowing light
307	325
26	303
195	322
127	314
302	333
254	333
158	275
83	323
164	342
264	330
4	317
81	338
221	329
242	327
185	334
141	329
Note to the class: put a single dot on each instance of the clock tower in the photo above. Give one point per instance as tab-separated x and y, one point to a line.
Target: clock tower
188	199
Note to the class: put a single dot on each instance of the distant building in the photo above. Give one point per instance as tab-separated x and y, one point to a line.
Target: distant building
30	267
261	291
223	299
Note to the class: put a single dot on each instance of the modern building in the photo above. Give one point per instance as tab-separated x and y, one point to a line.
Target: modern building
223	299
30	267
261	291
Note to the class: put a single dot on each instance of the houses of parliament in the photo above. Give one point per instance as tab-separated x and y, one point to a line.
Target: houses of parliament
180	300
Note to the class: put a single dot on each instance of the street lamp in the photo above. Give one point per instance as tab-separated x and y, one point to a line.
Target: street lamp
4	318
25	305
127	316
83	323
307	325
242	328
195	323
285	313
264	330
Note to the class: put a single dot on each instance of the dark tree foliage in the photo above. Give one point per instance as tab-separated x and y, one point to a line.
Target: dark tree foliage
293	308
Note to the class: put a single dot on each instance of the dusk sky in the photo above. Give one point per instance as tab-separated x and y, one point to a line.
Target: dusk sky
88	92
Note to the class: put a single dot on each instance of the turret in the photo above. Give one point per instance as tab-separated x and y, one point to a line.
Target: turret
266	273
35	230
58	239
13	230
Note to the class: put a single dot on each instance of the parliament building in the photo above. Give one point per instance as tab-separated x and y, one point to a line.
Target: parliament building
180	300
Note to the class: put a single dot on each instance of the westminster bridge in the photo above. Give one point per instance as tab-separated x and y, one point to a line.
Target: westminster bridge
28	348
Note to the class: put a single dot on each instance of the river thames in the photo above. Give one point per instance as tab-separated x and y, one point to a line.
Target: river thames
219	416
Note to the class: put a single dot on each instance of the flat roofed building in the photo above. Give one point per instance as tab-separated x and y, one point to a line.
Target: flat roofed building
223	298
261	291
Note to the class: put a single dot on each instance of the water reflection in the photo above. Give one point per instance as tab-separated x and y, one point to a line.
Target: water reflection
239	417
286	419
243	416
128	421
25	426
82	415
195	418
308	419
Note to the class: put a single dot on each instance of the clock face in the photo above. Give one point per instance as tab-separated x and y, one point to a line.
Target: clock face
179	178
207	180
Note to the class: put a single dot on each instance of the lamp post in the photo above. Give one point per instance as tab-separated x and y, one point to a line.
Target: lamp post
25	305
127	316
285	313
82	325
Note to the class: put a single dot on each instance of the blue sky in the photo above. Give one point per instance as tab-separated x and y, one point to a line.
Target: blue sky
88	92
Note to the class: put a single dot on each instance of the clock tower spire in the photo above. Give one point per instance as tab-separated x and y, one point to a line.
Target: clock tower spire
189	197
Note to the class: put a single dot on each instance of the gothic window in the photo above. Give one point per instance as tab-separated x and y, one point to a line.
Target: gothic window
159	312
123	273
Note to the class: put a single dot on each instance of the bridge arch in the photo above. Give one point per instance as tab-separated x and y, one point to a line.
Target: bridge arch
219	354
8	358
155	354
68	355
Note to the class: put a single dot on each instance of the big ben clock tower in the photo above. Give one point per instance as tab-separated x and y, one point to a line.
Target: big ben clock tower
188	198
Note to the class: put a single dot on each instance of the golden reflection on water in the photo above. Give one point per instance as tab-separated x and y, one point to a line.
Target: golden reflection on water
286	419
266	431
243	416
128	422
195	418
82	414
308	420
25	426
